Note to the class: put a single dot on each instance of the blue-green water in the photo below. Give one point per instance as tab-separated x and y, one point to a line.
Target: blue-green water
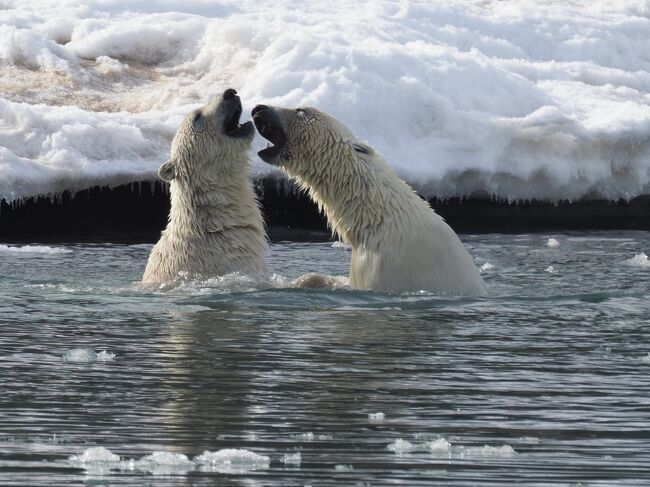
547	381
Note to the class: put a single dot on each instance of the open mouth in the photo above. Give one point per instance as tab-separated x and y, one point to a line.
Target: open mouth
269	126
233	128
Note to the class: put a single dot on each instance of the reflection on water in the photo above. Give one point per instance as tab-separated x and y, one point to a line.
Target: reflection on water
546	381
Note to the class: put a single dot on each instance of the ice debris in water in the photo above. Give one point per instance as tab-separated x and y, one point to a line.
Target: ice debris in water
95	455
166	458
309	436
343	468
550	269
552	243
376	417
292	459
401	446
639	260
440	446
34	249
341	245
646	359
489	451
231	459
486	267
87	355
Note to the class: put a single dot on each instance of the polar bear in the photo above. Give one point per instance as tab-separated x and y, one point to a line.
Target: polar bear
398	242
215	225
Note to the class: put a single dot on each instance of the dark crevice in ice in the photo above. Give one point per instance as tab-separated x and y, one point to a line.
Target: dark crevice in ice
138	212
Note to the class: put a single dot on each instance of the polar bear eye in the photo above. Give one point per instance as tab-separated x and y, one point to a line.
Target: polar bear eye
302	114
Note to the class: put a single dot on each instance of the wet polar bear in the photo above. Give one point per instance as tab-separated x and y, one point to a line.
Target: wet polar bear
398	242
215	225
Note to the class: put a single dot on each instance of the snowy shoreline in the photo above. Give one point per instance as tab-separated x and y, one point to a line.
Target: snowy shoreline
517	100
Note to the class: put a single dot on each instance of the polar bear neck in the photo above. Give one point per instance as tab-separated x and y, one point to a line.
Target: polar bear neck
362	198
214	202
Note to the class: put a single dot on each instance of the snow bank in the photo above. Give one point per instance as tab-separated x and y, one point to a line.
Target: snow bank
518	99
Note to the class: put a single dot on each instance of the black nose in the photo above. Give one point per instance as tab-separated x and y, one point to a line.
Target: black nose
229	94
258	108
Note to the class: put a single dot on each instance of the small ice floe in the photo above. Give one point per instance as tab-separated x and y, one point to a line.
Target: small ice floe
292	459
309	436
33	249
341	245
232	460
343	468
161	463
87	355
488	451
646	359
95	455
639	260
440	447
550	269
376	418
485	267
401	446
552	243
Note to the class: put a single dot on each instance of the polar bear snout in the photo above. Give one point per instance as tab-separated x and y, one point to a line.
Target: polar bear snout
232	113
270	126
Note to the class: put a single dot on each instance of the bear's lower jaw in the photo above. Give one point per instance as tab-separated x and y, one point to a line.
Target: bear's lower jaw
239	131
269	154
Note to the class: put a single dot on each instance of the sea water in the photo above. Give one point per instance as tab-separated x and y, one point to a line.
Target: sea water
243	380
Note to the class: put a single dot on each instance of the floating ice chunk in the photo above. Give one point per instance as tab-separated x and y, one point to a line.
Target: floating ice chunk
166	458
550	269
489	451
485	267
161	463
646	359
401	446
309	436
552	243
343	468
95	455
341	245
293	459
233	460
33	249
87	355
376	418
639	260
440	447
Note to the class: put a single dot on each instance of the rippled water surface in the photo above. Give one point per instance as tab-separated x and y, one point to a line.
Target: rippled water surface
243	381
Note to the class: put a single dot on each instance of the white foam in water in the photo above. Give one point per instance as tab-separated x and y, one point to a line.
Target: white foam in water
440	447
309	436
485	267
519	99
401	446
233	460
489	451
376	418
552	243
292	459
550	269
87	355
639	260
343	468
341	245
32	249
95	455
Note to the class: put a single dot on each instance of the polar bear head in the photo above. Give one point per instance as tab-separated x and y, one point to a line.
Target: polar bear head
209	141
309	144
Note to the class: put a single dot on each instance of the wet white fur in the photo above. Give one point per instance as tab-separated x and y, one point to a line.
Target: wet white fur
398	242
215	226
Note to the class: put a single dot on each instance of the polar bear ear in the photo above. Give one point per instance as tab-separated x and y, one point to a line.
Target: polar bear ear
360	147
167	171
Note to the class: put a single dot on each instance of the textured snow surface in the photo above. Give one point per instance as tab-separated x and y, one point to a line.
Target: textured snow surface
520	99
